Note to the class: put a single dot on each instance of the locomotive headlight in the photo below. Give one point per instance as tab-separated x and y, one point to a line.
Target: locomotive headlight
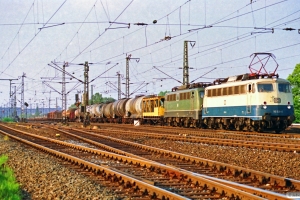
289	106
265	105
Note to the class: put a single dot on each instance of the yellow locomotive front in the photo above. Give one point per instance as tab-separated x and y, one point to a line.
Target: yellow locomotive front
153	109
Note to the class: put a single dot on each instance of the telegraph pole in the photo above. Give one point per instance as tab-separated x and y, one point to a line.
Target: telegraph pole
127	73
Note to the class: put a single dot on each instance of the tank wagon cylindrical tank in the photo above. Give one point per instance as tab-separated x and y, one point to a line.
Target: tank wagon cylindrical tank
99	110
96	113
119	108
108	110
134	108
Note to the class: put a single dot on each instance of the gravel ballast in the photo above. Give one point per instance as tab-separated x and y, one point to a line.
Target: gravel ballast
41	177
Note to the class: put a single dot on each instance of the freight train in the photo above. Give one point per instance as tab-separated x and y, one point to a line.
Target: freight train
242	102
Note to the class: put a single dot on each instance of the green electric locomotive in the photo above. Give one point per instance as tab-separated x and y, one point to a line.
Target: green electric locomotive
183	106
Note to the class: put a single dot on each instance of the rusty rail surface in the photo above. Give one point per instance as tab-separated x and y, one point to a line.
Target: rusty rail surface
265	180
190	182
262	177
294	147
196	130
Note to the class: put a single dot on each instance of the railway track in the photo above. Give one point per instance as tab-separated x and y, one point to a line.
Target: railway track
136	178
285	145
210	168
188	130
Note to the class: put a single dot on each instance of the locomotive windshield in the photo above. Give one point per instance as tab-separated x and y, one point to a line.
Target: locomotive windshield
284	87
265	87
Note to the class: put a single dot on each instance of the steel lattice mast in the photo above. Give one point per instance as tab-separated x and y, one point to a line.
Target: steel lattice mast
119	85
127	74
63	94
22	97
186	62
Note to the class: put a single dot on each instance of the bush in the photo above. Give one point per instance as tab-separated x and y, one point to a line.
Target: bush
9	188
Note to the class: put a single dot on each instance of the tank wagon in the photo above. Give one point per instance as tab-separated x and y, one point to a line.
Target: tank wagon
146	109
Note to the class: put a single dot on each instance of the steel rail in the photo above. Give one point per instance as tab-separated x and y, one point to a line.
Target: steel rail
216	141
273	179
142	185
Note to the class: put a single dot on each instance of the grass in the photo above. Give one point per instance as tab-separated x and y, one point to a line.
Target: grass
9	188
7	119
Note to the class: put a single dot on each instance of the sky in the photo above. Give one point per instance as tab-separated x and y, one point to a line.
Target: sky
37	35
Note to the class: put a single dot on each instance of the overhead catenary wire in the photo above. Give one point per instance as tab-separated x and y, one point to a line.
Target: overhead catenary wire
175	55
32	39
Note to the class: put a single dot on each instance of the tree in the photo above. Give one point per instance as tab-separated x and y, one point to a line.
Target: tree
294	79
97	98
161	93
37	112
72	106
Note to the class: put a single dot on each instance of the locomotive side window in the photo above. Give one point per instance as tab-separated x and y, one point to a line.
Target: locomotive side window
230	90
209	93
236	89
243	89
265	87
219	92
284	87
225	91
214	92
253	87
177	97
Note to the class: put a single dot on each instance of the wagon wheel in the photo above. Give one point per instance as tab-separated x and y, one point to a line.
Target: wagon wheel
279	130
220	126
237	126
175	124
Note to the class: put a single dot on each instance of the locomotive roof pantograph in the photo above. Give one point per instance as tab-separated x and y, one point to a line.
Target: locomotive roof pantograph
262	59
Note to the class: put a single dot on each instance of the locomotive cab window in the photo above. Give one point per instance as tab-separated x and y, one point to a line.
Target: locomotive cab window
265	87
201	93
161	102
253	87
284	87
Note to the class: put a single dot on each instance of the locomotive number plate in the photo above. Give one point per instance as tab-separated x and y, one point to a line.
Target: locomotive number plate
277	100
